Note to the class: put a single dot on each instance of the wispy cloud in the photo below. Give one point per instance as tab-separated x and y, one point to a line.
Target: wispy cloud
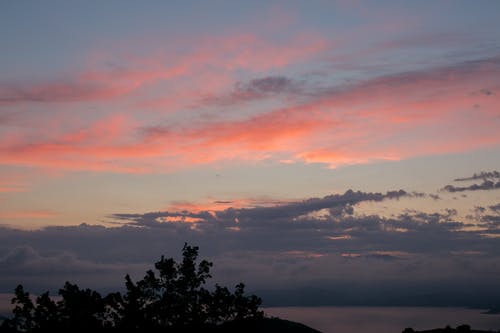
107	81
389	117
337	127
484	175
485	185
489	182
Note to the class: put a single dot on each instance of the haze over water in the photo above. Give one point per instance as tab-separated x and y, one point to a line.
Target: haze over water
385	319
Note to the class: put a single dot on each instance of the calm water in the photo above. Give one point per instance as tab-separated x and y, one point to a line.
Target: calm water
367	319
384	319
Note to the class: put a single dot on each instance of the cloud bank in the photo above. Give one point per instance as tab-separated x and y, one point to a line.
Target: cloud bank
315	251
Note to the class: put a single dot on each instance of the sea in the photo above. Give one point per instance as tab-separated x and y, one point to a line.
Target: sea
385	319
349	319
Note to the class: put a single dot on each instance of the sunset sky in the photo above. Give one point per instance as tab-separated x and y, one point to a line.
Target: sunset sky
337	143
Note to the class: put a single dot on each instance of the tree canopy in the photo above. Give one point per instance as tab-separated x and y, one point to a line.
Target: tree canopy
170	298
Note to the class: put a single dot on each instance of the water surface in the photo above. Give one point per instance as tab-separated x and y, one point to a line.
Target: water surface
384	319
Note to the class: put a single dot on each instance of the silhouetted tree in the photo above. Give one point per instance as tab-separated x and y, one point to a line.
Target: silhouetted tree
23	310
46	314
81	308
171	299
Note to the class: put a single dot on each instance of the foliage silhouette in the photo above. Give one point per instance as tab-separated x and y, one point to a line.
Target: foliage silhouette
169	300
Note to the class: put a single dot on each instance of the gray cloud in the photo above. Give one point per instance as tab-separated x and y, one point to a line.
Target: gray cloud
259	88
23	264
485	185
483	175
492	220
258	216
486	92
25	260
433	39
443	73
270	85
463	69
435	196
490	181
495	208
491	217
308	91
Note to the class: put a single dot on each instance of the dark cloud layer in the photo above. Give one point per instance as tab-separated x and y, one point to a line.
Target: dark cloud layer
285	251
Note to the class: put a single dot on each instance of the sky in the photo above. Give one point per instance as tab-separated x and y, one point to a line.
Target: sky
324	152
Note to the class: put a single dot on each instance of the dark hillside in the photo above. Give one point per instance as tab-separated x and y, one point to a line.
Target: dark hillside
264	325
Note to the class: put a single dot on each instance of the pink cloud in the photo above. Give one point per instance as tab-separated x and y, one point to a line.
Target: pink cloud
390	118
5	188
211	58
443	110
103	146
211	205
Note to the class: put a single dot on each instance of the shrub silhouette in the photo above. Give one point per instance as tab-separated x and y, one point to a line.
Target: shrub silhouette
171	299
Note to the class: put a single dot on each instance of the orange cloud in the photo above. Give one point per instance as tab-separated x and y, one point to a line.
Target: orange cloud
221	205
103	146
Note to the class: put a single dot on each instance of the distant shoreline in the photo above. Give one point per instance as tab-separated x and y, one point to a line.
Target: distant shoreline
388	319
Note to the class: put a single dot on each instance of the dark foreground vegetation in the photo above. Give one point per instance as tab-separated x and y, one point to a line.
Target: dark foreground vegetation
170	299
